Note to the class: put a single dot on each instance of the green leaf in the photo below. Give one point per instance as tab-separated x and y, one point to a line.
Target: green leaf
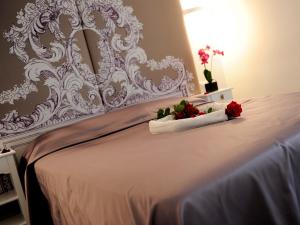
183	102
210	110
167	111
179	108
160	114
208	75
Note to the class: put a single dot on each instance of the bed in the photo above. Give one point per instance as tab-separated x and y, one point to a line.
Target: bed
97	71
109	170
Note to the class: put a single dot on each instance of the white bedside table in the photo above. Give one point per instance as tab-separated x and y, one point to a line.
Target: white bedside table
8	166
224	94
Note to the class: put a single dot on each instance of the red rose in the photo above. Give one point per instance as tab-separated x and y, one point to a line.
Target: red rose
190	110
186	110
201	113
233	109
179	115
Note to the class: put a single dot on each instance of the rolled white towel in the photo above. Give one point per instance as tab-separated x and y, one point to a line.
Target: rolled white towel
168	124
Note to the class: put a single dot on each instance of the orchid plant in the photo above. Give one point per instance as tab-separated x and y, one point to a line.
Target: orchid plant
205	54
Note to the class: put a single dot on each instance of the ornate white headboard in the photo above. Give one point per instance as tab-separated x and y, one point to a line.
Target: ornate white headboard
77	90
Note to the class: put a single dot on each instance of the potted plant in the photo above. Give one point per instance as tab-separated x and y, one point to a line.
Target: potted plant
205	54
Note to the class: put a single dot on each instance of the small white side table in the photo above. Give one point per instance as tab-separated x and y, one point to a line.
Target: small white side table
221	95
8	166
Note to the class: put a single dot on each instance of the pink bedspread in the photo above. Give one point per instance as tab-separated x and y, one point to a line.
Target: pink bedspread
111	171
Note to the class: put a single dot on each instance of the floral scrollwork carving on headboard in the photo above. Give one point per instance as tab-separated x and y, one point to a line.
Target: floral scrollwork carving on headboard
61	68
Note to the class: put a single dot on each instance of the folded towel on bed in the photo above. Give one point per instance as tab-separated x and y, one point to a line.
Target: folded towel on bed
169	124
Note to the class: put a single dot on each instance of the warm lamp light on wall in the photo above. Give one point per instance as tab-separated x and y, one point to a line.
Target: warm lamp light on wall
222	24
189	6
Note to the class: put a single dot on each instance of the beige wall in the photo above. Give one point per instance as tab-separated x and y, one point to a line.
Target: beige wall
261	43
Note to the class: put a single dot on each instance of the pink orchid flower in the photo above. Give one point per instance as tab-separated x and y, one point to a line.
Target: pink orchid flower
218	52
203	56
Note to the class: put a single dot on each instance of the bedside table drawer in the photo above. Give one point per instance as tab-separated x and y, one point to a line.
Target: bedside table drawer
4	168
217	96
221	96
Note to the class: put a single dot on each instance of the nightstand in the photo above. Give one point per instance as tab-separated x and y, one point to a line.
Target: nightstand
13	197
221	95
